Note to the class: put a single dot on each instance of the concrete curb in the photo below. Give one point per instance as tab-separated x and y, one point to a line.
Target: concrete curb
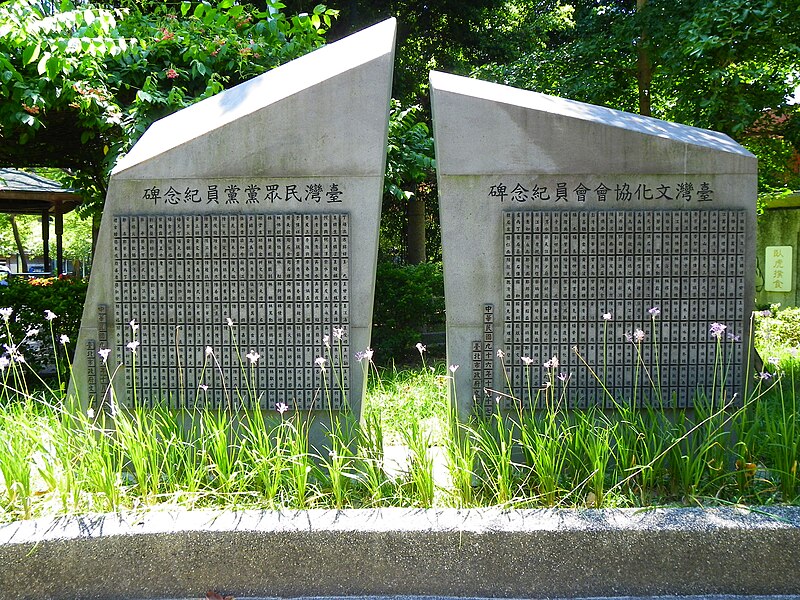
391	552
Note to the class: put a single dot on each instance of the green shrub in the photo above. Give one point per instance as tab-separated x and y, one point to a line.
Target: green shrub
29	299
409	302
777	330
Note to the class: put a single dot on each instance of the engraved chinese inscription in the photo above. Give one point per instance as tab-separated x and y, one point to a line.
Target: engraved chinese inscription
206	291
563	271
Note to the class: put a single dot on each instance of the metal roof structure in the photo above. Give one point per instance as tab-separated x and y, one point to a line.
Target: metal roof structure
23	193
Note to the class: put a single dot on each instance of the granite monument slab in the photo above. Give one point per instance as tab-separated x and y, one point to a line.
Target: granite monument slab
577	236
239	240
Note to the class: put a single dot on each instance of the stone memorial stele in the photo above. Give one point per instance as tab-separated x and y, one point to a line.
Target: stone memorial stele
239	236
566	226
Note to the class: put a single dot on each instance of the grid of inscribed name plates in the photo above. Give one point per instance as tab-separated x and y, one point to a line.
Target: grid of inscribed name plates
281	279
564	270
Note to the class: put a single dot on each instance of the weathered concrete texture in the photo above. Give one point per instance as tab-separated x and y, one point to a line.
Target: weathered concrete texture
469	553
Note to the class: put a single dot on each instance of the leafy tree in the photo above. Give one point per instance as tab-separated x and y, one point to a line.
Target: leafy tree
718	64
79	83
409	184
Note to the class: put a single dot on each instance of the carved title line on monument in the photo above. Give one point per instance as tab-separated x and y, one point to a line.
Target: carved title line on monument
245	193
562	191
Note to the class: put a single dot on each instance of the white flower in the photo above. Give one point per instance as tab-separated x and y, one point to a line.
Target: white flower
203	387
4	362
338	333
326	339
90	413
526	360
420	347
320	362
32	332
281	407
361	355
552	363
134	325
453	368
6	313
607	316
64	339
229	321
638	335
209	351
253	356
500	353
104	352
50	315
132	346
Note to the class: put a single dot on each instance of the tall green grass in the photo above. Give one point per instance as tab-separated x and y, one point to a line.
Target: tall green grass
55	459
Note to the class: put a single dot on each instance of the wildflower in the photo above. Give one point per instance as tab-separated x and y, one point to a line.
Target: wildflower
453	368
6	313
717	329
638	335
253	357
90	413
320	362
526	360
50	315
361	355
734	338
32	332
132	346
4	362
500	354
338	333
774	360
64	339
104	352
209	351
134	325
764	375
607	316
765	313
420	348
229	321
172	74
552	363
654	311
563	377
628	336
281	407
326	339
203	387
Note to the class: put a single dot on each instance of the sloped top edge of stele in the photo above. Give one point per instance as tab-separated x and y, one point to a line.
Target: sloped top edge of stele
508	97
260	92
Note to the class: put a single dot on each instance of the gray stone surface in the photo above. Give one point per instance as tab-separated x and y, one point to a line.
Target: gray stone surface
247	224
402	552
555	213
779	226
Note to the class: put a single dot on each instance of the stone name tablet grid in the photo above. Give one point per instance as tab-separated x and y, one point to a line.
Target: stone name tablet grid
281	279
564	270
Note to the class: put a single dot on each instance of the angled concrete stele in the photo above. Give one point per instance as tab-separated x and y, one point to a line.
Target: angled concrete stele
555	213
247	224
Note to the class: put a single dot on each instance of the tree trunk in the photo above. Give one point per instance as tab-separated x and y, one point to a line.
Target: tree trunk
18	241
644	67
416	230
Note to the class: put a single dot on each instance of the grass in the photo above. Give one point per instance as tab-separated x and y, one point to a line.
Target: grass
55	459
